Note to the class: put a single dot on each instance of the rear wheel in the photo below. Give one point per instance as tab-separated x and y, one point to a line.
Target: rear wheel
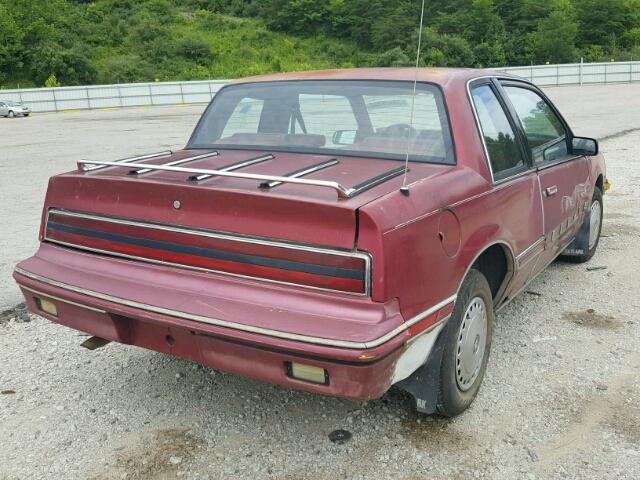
467	346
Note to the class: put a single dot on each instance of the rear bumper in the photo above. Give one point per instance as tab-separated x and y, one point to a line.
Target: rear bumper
129	303
355	380
236	325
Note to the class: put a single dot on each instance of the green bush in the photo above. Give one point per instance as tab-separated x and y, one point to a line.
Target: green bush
88	41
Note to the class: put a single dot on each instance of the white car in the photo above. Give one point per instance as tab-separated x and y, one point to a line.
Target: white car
12	109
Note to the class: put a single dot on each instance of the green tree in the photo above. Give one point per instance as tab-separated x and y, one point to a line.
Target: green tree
194	49
125	69
555	39
52	81
11	49
602	22
297	16
394	57
483	23
489	55
446	50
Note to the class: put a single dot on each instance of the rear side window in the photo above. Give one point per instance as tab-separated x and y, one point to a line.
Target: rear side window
544	130
504	153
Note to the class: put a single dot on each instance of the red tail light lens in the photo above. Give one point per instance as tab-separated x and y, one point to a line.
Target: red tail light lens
257	258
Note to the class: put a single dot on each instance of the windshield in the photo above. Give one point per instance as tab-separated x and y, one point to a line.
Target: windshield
13	104
353	117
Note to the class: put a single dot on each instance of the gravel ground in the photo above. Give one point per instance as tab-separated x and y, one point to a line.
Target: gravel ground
561	398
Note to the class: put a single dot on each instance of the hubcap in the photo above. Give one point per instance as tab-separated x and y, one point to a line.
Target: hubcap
472	338
594	223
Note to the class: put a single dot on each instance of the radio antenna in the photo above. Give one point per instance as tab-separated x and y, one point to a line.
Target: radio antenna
405	189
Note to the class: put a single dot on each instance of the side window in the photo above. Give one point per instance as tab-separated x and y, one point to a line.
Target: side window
245	117
544	130
504	154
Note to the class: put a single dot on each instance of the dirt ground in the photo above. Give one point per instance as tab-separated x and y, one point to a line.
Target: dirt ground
561	398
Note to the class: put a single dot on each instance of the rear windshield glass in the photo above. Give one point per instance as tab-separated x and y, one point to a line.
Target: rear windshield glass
357	118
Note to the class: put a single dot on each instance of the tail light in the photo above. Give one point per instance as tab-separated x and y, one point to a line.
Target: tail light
248	257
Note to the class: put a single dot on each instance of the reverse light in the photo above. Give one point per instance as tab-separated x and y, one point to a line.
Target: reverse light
308	373
47	307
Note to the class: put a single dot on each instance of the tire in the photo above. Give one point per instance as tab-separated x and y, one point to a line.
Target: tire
596	202
11	114
461	375
26	115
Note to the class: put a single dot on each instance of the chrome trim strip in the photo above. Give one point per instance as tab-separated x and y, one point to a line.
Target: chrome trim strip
532	278
413	320
234	166
531	168
541	204
202	233
375	181
478	126
90	167
444	319
193	158
302	172
234	325
58	299
342	191
527	254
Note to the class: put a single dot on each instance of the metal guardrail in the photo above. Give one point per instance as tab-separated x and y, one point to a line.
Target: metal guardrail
578	73
114	96
199	92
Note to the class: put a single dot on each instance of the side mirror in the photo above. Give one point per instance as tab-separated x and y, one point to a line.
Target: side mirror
587	147
344	137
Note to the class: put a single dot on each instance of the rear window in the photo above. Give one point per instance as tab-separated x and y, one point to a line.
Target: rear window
357	118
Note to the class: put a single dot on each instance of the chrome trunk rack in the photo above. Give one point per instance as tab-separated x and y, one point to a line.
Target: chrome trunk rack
266	181
174	163
90	166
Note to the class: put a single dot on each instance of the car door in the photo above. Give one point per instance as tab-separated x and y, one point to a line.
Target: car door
514	202
563	177
4	111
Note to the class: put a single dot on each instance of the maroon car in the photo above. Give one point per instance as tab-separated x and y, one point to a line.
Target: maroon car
285	243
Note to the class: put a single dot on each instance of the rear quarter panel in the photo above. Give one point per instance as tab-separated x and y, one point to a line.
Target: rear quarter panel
411	261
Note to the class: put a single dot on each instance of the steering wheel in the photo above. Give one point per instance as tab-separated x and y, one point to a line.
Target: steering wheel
400	130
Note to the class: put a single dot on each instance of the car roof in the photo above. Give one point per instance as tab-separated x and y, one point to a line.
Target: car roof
440	76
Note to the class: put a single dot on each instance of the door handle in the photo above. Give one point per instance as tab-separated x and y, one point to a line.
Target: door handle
551	191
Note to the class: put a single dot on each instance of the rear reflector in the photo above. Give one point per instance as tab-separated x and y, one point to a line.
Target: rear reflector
248	257
46	306
308	373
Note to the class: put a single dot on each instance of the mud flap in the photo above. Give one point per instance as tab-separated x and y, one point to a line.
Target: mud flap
424	383
580	244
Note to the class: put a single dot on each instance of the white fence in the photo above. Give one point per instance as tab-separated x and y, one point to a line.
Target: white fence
578	73
114	96
175	93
